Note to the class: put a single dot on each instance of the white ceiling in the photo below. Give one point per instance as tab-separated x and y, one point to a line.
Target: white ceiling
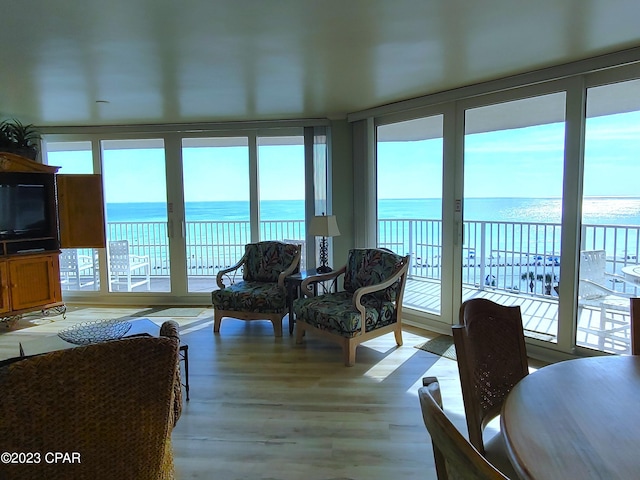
181	61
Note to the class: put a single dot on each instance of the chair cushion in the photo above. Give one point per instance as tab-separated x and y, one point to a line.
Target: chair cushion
335	313
251	297
370	266
265	261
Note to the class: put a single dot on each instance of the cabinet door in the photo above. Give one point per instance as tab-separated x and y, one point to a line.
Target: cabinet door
4	288
81	210
35	281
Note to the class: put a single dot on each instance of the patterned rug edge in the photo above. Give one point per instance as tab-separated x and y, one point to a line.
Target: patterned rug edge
441	345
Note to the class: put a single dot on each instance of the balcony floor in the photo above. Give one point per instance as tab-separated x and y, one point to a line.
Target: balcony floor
539	315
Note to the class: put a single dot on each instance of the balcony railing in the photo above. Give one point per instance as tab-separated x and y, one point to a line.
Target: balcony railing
509	256
211	246
501	260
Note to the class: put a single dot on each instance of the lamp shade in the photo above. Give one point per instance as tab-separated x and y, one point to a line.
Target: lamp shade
324	226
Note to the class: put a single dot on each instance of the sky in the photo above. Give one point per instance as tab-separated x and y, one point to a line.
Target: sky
524	162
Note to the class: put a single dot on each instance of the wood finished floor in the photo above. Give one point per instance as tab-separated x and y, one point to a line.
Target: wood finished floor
265	408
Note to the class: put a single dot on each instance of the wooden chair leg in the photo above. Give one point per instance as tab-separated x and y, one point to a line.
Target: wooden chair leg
349	349
299	332
217	319
398	334
184	356
277	326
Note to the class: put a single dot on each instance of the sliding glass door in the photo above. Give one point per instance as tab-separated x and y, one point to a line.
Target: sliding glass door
180	207
409	203
512	207
281	188
134	177
216	199
610	232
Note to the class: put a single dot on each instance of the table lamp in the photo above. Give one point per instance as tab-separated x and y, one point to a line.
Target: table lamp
324	226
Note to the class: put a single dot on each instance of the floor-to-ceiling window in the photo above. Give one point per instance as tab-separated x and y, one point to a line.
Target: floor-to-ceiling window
281	187
543	178
512	208
610	231
216	198
409	203
134	177
181	206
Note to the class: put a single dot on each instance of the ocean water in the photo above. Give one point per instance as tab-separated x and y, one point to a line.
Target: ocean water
511	248
596	210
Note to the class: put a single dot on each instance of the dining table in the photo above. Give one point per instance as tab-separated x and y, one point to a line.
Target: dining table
576	419
631	273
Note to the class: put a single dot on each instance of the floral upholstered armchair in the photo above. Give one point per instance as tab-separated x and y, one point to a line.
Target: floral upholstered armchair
369	306
260	293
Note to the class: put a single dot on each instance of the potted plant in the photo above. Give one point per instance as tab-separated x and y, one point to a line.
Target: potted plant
18	138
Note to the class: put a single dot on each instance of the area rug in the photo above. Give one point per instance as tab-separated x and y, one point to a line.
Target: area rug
34	319
441	345
25	322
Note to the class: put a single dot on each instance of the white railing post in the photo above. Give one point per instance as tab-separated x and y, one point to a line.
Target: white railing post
483	254
412	248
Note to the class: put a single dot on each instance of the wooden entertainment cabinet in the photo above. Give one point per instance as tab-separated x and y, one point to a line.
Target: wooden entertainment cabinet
29	262
29	282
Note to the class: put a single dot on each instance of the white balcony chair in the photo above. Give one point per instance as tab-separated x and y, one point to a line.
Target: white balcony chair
593	291
131	267
73	267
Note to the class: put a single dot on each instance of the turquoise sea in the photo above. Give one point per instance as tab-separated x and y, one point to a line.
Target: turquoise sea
536	241
596	210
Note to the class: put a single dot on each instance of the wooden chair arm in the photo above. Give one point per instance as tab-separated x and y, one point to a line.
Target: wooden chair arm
291	268
320	277
360	292
225	271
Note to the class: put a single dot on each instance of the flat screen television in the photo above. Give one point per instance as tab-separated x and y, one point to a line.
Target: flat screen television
24	210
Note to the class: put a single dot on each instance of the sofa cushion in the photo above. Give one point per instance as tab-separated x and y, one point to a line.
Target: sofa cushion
335	312
251	297
265	261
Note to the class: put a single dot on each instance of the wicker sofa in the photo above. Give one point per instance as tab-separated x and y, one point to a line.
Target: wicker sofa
109	406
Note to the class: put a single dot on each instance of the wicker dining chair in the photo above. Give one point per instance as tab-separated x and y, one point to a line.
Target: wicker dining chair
454	456
492	358
110	406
